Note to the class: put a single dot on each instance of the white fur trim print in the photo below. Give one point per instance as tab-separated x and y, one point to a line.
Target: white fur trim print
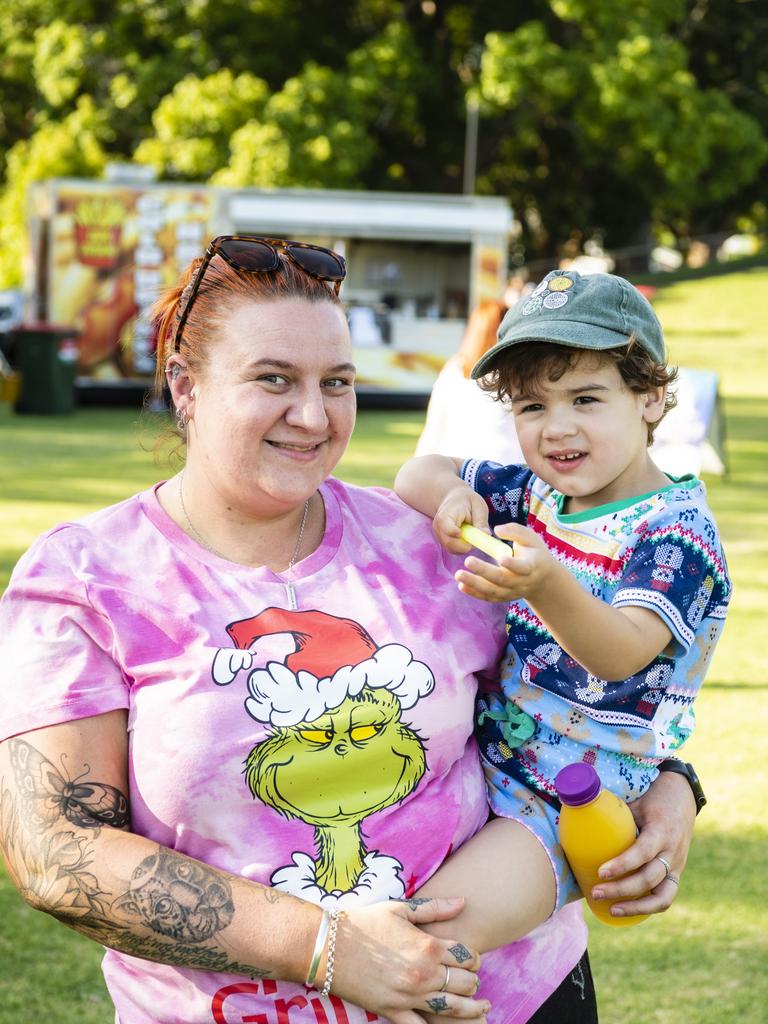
379	881
227	662
284	698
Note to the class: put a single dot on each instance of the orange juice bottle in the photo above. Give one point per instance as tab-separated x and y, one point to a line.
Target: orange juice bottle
595	825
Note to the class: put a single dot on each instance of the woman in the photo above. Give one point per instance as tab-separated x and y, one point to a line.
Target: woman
237	707
462	419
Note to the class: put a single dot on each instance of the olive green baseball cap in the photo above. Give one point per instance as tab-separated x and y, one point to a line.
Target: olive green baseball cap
589	311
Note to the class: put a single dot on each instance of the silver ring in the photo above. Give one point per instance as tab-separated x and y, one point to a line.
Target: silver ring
667	868
668	876
444	986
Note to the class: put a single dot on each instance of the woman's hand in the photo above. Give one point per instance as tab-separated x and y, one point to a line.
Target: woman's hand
665	816
386	964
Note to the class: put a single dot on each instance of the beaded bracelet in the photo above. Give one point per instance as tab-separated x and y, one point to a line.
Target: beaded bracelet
335	916
317	952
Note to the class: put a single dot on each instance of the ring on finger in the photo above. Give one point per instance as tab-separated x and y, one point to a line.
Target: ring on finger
668	870
444	986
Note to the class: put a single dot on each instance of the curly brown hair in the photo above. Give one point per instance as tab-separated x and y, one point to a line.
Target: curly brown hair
527	366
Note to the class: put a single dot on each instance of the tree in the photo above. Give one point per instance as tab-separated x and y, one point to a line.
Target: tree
727	44
600	127
333	128
74	146
597	119
196	120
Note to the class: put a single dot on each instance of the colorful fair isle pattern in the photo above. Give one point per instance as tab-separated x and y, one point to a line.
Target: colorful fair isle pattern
659	551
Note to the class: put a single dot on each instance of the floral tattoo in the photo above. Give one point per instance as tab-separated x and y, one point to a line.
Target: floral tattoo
172	909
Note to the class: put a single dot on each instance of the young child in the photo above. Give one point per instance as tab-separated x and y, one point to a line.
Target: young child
616	580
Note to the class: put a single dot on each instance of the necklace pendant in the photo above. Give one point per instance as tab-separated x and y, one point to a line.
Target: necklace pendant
290	593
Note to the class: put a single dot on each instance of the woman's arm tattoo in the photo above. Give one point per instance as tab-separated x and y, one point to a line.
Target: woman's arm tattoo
177	897
50	864
50	794
48	829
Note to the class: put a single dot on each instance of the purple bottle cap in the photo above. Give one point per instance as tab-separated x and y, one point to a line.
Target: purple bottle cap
577	784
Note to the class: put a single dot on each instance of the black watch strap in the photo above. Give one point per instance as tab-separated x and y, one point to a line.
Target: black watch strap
673	764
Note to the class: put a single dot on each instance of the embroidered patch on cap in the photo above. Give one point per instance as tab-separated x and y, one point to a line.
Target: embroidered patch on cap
533	305
560	284
551	293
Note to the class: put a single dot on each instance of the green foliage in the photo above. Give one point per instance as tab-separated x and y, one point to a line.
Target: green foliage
58	60
320	129
194	123
606	107
74	146
596	118
312	132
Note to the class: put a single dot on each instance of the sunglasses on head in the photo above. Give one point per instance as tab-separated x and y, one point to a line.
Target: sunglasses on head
255	255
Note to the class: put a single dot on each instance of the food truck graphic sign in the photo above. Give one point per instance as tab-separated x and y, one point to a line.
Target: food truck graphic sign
101	257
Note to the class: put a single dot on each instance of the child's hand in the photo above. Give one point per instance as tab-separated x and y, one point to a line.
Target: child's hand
521	574
460	505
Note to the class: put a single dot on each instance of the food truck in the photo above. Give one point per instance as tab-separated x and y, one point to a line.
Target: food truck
100	252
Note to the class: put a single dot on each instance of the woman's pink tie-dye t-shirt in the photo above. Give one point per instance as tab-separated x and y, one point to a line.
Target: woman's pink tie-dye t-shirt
325	749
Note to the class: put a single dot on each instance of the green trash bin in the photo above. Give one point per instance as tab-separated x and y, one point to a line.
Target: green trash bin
46	356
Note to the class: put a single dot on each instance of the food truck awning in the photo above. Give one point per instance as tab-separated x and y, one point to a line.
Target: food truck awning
370	215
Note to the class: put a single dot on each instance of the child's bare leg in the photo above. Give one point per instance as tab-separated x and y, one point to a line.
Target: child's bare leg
502	868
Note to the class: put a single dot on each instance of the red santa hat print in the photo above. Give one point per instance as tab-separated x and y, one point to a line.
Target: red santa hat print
334	658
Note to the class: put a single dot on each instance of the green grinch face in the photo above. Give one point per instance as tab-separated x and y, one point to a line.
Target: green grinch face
349	763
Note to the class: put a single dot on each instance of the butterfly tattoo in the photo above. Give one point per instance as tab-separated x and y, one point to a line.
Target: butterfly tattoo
52	795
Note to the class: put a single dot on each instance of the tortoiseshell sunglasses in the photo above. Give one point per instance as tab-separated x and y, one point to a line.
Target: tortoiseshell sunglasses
256	255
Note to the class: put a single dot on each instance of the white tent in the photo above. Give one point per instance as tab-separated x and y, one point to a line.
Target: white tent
691	438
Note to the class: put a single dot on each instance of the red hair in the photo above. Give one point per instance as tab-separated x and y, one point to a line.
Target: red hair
220	291
480	333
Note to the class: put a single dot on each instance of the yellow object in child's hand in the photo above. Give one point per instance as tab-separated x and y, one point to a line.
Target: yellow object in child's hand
484	541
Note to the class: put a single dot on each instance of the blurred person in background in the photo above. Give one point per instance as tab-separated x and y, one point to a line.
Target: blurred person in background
462	419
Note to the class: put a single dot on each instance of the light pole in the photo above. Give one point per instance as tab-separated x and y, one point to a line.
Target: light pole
470	146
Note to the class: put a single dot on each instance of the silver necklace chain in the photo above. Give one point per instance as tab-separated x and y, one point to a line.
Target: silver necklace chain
208	547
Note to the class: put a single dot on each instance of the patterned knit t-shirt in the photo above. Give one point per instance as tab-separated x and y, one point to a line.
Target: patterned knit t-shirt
659	551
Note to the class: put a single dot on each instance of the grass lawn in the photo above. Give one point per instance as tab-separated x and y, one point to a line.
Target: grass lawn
705	961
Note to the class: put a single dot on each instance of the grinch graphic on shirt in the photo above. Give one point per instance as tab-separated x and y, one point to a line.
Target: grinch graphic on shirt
339	749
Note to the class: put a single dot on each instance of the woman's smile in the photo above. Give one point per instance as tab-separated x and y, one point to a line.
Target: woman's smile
300	451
